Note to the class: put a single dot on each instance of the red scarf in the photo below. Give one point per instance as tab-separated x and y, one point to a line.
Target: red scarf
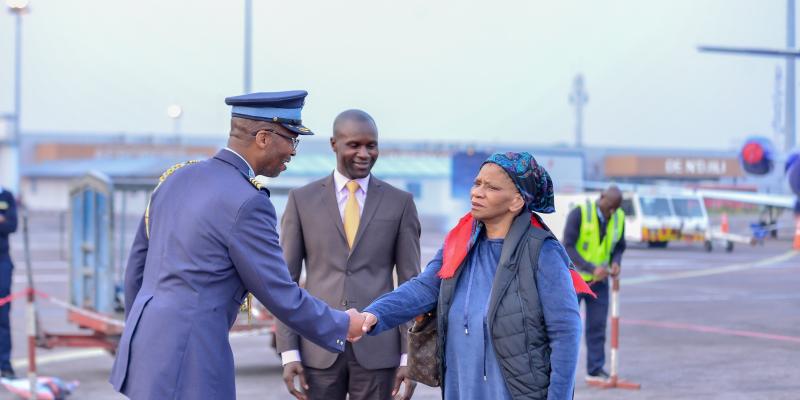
459	240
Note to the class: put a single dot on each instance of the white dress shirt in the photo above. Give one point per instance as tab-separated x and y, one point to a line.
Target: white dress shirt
251	173
342	195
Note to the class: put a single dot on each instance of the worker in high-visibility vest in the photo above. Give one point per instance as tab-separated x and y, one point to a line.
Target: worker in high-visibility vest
594	237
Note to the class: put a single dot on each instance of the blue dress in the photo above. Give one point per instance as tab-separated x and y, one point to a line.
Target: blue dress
469	354
466	356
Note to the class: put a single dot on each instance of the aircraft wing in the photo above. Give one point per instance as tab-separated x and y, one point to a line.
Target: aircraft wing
763	199
771	200
753	51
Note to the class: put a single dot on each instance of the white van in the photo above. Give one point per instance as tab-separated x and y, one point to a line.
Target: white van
648	218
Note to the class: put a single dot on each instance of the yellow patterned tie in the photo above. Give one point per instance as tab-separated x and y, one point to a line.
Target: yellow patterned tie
352	215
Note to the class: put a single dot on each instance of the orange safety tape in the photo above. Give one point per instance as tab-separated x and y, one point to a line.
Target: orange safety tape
13	296
91	314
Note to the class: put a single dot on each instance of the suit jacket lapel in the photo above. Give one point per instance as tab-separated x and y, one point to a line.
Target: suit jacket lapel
330	203
374	195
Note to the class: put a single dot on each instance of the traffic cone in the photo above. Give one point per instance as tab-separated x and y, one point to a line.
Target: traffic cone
725	226
796	245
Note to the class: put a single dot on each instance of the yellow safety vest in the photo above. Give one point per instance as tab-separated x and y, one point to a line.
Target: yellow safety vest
589	245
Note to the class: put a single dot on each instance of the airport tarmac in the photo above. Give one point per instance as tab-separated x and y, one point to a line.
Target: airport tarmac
695	325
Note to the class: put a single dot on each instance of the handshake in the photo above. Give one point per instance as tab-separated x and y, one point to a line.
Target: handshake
360	323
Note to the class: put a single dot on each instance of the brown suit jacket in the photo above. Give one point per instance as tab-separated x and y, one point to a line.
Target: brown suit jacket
387	239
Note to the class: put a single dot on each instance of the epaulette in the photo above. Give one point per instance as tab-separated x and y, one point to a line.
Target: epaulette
161	180
259	184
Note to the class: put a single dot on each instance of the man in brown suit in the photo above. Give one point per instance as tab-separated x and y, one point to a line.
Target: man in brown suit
353	231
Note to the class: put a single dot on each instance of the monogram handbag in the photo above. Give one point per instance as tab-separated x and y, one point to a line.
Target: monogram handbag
423	354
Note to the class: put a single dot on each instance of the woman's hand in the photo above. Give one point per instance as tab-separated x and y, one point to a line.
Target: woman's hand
355	331
369	321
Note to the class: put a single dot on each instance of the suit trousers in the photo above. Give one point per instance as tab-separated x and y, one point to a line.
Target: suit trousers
596	321
6	272
347	376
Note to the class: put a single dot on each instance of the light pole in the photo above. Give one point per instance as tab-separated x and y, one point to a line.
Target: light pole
175	112
248	45
10	153
578	98
790	122
9	145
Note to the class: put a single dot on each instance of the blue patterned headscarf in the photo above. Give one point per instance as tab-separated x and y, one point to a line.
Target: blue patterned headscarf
531	179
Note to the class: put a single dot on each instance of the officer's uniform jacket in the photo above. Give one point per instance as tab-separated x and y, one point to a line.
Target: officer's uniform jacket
212	238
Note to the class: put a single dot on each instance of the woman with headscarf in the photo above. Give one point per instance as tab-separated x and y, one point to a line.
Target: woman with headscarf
504	291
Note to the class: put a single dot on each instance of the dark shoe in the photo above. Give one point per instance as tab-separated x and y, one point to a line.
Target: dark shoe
8	373
597	376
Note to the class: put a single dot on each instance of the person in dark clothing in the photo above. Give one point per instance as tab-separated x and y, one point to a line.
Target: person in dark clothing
594	237
8	225
508	326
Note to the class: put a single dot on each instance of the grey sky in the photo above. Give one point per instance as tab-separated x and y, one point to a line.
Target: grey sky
442	70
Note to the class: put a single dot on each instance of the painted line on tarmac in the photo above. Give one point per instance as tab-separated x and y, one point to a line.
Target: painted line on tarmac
710	271
709	329
22	363
712	297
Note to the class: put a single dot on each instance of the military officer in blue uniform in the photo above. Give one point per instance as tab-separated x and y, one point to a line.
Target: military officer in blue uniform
8	225
207	238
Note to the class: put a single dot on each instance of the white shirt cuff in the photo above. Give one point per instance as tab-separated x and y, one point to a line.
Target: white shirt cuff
290	356
294	355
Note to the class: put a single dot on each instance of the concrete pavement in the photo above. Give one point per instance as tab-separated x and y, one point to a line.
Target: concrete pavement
695	325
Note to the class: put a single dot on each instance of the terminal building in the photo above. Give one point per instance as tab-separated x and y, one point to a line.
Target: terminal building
50	163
